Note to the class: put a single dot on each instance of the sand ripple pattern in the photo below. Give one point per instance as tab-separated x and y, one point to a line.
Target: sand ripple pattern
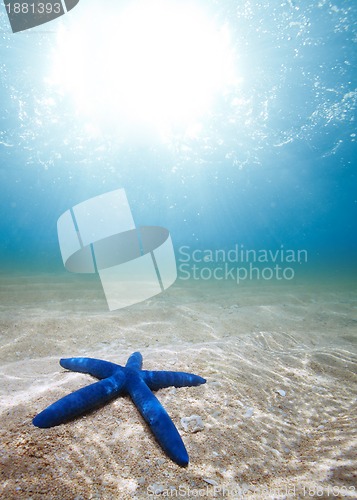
279	408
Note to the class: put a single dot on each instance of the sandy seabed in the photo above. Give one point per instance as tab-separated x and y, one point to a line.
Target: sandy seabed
279	406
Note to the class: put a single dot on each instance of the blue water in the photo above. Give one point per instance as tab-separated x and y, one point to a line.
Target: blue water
271	170
277	170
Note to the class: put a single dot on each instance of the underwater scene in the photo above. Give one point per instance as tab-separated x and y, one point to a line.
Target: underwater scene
178	242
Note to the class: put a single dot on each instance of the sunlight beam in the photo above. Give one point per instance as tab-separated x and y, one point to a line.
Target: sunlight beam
153	64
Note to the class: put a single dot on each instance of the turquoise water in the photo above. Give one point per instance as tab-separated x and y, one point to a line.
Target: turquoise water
273	166
232	125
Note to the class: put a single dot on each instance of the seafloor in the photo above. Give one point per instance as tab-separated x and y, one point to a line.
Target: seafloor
279	407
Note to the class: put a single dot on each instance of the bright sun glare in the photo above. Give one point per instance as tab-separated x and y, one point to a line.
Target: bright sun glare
154	65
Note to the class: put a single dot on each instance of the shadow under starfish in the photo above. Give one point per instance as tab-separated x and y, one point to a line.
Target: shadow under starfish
118	380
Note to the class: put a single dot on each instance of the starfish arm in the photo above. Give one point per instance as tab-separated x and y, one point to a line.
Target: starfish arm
135	361
160	379
158	419
95	367
80	401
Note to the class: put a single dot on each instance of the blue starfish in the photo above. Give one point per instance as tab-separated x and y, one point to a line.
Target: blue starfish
116	380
